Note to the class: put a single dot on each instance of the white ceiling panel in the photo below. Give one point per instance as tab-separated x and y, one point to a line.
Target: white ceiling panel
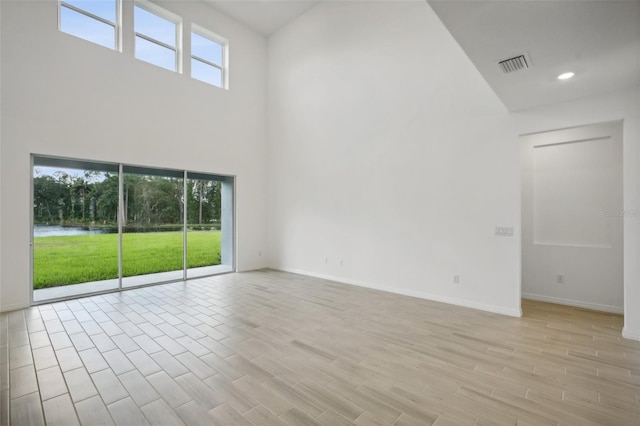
597	40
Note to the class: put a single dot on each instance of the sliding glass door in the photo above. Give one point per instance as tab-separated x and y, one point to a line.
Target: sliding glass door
101	227
75	230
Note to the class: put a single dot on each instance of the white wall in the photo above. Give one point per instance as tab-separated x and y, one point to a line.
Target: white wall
1	188
572	217
67	97
390	159
611	107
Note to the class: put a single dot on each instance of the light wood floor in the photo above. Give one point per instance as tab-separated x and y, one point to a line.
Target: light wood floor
267	347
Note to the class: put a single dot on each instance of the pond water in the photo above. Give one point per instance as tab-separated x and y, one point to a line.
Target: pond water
66	231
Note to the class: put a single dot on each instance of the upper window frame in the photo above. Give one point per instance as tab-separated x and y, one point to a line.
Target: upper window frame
223	42
169	16
117	25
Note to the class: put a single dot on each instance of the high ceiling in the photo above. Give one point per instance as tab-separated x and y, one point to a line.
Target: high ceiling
597	40
263	16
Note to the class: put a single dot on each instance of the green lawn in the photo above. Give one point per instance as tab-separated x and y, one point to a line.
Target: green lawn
83	258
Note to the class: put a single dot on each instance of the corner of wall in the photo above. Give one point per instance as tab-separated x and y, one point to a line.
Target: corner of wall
631	334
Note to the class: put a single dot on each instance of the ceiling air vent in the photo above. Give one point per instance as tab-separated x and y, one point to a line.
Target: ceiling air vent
516	63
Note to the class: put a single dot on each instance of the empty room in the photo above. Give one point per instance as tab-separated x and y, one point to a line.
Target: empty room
312	212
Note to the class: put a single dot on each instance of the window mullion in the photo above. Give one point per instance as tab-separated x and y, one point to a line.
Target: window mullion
88	14
204	61
158	42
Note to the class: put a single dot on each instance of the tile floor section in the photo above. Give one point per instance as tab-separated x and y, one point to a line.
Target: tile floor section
271	348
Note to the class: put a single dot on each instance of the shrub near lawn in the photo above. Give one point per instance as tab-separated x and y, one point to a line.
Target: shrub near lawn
84	258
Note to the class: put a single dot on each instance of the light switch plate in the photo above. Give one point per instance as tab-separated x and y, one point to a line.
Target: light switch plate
504	231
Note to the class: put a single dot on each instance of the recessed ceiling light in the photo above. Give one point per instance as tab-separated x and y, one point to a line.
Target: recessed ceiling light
565	76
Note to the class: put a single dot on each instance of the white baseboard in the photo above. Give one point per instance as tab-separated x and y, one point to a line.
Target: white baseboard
419	294
631	334
576	303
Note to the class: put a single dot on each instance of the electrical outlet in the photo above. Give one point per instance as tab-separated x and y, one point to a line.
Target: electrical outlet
260	253
341	263
456	279
560	279
326	260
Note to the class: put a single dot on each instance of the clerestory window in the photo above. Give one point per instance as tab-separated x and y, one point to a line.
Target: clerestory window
208	57
97	21
157	36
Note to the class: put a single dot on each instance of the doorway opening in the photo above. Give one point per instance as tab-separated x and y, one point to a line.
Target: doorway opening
573	217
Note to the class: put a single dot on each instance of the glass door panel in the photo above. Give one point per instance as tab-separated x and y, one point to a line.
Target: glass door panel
204	235
152	224
75	230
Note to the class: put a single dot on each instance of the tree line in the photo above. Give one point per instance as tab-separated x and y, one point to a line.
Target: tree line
63	198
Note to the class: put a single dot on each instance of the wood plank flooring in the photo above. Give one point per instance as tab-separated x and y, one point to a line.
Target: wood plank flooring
272	348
